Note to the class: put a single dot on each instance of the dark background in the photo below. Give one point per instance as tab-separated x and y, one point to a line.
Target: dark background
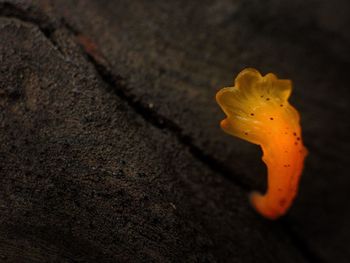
110	146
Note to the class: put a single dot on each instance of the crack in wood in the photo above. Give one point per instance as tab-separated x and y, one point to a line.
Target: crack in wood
115	84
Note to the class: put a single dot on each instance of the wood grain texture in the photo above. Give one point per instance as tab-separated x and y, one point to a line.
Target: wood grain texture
140	90
86	179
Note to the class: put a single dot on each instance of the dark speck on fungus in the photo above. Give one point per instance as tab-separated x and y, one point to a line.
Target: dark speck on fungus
282	202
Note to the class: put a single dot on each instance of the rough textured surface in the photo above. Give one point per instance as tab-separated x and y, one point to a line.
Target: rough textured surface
84	178
125	161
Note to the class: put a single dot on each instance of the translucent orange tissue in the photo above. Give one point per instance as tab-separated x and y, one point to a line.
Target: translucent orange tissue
258	111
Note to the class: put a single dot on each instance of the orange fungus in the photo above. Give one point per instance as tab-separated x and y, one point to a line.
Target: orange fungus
258	111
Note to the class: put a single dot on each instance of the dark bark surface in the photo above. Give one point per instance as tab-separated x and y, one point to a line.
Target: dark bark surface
110	149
